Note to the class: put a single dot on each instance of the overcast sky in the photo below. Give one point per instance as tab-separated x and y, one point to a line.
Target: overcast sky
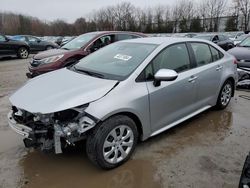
68	10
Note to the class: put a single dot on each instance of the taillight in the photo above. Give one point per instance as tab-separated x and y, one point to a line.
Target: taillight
235	62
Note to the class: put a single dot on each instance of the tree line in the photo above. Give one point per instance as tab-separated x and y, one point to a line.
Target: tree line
184	16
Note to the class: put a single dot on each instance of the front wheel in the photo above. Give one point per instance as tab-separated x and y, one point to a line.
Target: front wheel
225	95
23	53
112	142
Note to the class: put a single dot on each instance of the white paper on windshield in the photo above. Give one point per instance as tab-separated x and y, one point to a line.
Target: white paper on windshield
122	57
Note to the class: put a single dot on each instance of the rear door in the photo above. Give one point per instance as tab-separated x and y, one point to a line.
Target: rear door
34	43
174	99
209	73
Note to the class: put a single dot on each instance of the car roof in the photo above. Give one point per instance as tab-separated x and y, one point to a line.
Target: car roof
114	32
163	40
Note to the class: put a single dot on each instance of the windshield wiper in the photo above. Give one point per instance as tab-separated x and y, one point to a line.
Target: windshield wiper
89	72
244	46
65	48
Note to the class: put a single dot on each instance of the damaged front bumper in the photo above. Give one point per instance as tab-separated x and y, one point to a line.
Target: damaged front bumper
47	133
18	128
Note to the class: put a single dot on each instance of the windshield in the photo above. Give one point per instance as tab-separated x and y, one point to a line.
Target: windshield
205	37
241	38
116	61
79	42
246	42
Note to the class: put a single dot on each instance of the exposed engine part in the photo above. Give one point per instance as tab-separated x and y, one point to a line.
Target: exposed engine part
85	124
47	131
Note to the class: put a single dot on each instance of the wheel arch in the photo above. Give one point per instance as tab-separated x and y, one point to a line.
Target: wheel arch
134	117
232	80
23	46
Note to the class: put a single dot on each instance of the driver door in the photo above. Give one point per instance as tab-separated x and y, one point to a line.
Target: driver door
172	100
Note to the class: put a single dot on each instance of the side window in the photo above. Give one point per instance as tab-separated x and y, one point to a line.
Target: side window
125	37
32	39
22	39
175	57
2	38
202	53
101	42
216	54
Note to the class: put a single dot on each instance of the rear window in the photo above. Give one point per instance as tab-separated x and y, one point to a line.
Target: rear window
216	54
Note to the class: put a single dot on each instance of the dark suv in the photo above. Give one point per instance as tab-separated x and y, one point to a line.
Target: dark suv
35	43
75	50
9	48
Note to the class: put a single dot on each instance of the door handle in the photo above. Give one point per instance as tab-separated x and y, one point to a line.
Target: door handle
192	78
219	68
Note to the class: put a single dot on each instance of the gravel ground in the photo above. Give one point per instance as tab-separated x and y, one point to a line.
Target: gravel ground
206	151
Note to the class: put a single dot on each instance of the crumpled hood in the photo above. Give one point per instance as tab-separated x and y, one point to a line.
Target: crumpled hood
60	90
49	53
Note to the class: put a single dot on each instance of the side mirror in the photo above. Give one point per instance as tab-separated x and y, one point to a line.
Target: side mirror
164	75
7	39
38	40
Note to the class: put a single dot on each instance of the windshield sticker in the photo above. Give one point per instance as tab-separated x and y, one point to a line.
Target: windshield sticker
122	57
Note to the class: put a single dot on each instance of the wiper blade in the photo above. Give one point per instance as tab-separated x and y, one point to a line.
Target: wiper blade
90	73
245	46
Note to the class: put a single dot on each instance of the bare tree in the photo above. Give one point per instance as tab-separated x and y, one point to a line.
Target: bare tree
244	7
212	10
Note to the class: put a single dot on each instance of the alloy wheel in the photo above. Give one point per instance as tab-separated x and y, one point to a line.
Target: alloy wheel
226	94
118	144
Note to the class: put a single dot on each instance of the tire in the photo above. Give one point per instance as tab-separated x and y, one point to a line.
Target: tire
23	53
109	132
225	95
49	47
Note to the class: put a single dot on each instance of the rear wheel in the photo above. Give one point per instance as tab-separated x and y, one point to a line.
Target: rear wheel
23	53
225	95
112	142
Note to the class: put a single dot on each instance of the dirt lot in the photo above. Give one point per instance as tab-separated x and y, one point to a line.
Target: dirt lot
206	151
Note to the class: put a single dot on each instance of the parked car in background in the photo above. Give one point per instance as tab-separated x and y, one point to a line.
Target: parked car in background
84	100
185	35
234	35
219	39
9	48
35	43
75	50
245	174
242	53
66	40
240	39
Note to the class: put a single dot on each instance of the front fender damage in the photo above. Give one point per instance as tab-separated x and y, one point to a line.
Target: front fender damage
55	131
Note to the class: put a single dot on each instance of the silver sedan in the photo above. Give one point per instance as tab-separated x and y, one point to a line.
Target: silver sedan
125	92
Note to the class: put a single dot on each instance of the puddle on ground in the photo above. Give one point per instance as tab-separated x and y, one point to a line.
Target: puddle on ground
72	169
